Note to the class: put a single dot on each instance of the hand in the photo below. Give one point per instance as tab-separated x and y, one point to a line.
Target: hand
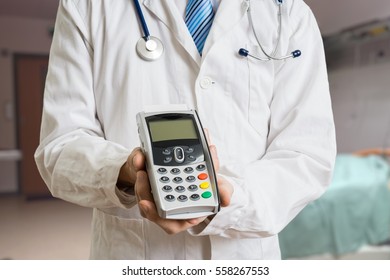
146	203
128	172
148	208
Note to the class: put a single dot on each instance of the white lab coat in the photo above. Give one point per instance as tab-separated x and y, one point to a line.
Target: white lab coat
270	121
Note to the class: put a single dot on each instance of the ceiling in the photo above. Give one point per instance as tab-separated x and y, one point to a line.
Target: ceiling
332	15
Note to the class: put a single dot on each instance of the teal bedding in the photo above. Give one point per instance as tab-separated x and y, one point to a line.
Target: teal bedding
354	211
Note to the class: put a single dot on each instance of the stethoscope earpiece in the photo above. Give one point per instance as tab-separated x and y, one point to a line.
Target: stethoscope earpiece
245	53
296	53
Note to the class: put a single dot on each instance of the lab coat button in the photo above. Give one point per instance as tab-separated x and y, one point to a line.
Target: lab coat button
206	82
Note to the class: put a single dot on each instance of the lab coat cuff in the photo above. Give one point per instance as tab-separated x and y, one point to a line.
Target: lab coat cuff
127	199
228	217
121	198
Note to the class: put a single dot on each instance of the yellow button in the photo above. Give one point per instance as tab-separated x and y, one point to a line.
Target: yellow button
204	185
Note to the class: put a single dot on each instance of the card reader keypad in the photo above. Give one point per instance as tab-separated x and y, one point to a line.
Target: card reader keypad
190	183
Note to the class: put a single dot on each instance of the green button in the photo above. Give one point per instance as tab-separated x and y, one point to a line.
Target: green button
206	194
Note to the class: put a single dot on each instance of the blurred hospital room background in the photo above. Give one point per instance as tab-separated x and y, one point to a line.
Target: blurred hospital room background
352	219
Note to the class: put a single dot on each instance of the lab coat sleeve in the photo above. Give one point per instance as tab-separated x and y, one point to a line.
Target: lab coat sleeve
301	149
75	160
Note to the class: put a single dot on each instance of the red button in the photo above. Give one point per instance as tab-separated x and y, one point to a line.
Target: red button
202	176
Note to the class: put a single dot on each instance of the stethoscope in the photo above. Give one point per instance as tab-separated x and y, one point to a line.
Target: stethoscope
151	48
148	47
244	52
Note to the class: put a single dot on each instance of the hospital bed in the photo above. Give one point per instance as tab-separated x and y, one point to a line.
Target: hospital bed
354	212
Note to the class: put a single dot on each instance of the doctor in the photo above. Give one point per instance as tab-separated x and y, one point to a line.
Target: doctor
271	122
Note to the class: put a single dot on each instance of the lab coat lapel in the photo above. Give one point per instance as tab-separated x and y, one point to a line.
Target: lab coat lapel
167	12
229	13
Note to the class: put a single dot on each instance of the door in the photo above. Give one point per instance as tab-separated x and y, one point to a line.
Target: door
30	75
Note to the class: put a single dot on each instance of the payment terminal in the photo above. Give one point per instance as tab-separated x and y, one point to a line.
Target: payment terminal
178	163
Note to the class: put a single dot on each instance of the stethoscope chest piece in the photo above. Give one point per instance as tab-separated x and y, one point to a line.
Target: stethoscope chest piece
150	48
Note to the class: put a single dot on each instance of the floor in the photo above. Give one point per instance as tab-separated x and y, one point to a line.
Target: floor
43	229
53	229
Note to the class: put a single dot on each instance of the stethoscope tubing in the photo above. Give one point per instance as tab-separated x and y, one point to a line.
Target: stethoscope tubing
244	52
148	47
142	19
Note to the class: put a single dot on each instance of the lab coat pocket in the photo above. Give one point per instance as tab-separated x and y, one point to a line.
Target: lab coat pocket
116	237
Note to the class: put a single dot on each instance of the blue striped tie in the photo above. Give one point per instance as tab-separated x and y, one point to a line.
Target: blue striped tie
199	17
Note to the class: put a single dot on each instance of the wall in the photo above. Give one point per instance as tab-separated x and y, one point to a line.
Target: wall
21	36
361	98
359	66
335	15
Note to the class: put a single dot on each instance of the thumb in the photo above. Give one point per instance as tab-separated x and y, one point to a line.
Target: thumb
137	160
142	187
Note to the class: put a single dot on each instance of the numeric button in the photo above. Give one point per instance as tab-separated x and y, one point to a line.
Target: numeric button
170	198
188	170
201	167
180	189
195	197
177	180
161	170
182	198
164	179
167	188
175	171
192	188
190	178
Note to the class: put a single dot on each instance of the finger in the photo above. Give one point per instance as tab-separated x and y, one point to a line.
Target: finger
214	156
148	210
225	190
212	149
176	226
142	187
137	160
196	221
206	133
